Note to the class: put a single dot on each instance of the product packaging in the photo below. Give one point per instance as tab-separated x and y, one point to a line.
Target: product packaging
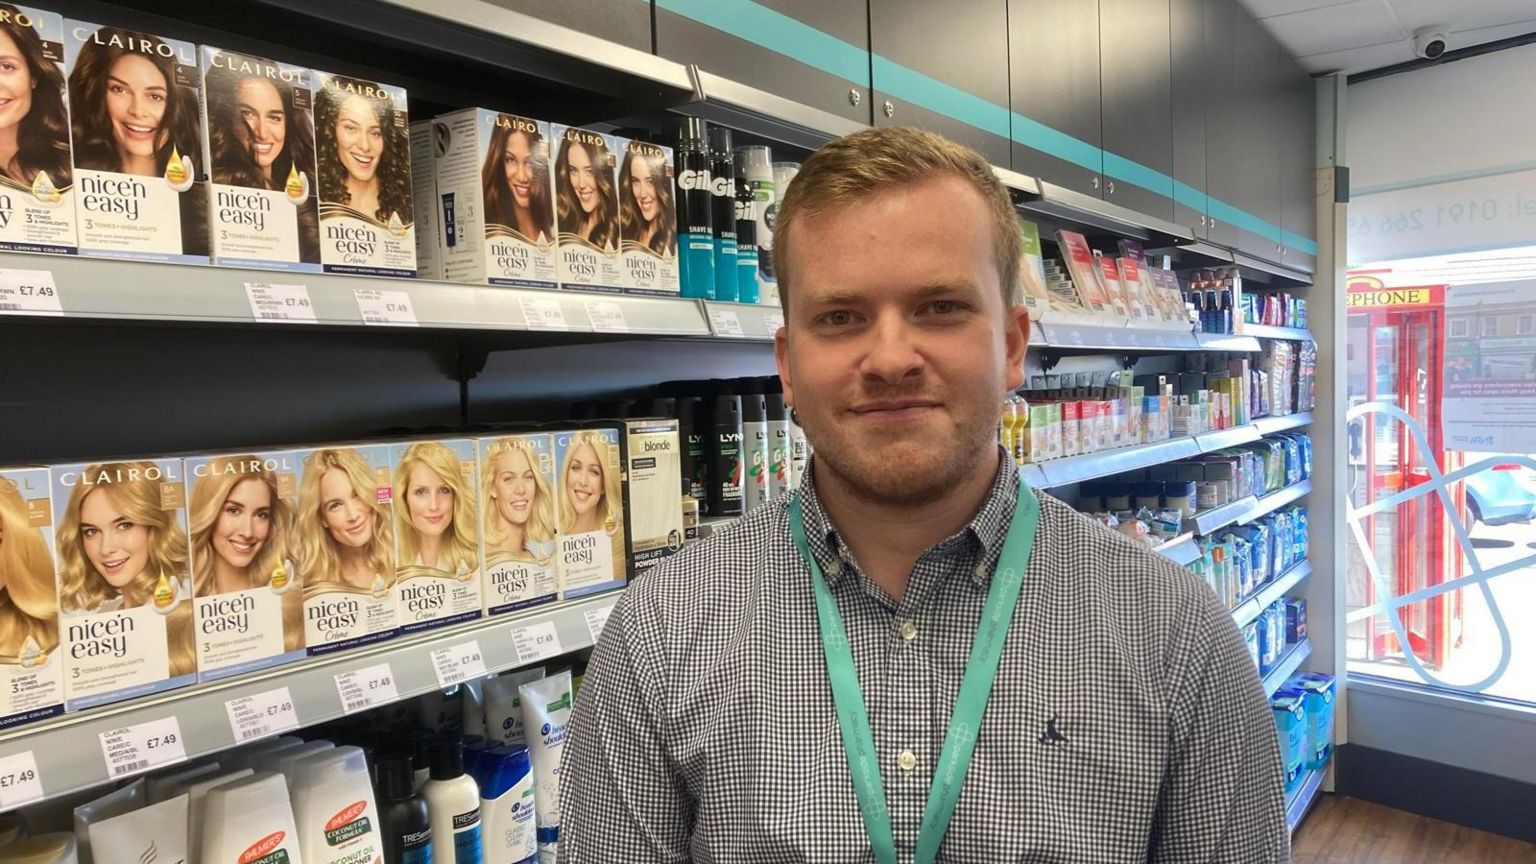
722	180
115	803
197	798
1032	291
59	848
493	176
1318	689
754	192
404	826
363	153
248	602
250	821
160	786
695	212
288	762
507	810
333	806
1080	264
783	173
453	805
157	832
1291	728
259	149
137	184
755	446
428	220
37	195
504	707
125	598
547	708
584	188
472	695
518	521
437	532
724	452
250	754
591	536
31	662
654	473
648	220
440	711
345	529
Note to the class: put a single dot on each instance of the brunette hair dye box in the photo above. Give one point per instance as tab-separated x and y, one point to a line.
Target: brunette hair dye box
363	155
437	532
31	664
37	189
584	188
493	175
648	220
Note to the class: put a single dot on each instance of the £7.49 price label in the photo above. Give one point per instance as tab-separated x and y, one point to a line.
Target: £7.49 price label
28	292
20	782
365	688
135	749
388	308
283	303
263	714
536	641
458	663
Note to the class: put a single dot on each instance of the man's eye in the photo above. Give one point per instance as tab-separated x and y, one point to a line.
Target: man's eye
837	318
944	307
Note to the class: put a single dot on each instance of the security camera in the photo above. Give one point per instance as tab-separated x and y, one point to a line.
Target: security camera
1429	42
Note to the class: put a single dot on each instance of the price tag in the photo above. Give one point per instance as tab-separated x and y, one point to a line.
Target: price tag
387	308
28	292
535	642
774	320
725	322
19	781
543	313
597	619
365	688
135	749
264	714
606	316
283	303
458	663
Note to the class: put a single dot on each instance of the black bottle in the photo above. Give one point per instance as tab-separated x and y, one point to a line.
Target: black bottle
695	211
403	823
722	178
695	463
724	441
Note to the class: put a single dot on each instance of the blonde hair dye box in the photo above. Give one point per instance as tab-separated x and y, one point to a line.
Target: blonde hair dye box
437	532
31	664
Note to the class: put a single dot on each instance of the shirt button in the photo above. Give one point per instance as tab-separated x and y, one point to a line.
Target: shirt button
906	760
908	630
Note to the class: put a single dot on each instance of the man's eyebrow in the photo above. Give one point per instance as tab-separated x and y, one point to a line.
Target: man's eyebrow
933	289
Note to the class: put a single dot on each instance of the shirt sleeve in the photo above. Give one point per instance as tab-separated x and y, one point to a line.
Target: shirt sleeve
620	797
1222	799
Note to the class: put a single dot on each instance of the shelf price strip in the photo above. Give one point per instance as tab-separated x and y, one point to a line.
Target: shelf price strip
263	714
138	748
536	641
20	782
365	688
606	316
458	663
726	323
543	313
289	304
597	619
386	308
29	292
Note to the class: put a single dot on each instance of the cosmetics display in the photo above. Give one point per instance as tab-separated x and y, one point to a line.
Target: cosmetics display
363	153
37	191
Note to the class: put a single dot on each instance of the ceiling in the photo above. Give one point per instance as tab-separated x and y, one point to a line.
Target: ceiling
1359	35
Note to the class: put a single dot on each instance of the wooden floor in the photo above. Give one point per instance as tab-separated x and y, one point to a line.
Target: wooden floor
1348	830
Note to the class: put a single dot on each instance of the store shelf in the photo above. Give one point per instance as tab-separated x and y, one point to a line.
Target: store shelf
1098	218
1270	274
1250	609
1227	342
1074	469
1282	423
1181	550
748	321
1115	337
68	750
1210	442
1033	476
1275	500
92	288
1216	518
1195	256
1298	803
1022	187
1290	661
748	109
1265	331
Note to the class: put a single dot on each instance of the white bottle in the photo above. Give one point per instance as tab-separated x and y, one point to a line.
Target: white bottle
197	801
249	821
453	805
334	808
284	762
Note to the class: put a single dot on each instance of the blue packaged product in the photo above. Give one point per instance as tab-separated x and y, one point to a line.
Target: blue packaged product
505	777
1292	460
474	745
1305	442
1251	639
1288	708
1265	638
1319	689
1295	619
1299	515
1243	558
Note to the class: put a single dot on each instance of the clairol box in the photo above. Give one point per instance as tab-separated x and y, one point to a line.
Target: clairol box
585	191
247	599
653	476
37	191
125	594
589	481
648	220
136	130
518	527
345	531
363	163
428	224
259	147
31	664
437	532
493	175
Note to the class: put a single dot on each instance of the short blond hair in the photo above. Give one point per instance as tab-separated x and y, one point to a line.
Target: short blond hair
858	166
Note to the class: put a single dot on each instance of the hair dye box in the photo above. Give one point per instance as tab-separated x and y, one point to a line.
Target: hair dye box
259	148
125	596
363	163
437	532
136	131
31	664
37	190
648	219
654	477
428	222
518	521
493	176
589	480
583	186
247	602
346	562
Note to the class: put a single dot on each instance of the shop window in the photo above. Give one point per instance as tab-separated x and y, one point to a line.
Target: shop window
1459	328
1490	326
1525	325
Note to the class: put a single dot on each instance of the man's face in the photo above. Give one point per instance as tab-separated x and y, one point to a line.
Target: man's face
898	348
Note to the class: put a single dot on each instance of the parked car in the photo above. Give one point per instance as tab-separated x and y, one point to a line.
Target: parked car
1503	494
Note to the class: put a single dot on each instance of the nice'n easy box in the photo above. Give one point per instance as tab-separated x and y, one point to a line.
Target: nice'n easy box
125	596
248	602
518	528
589	488
37	191
428	222
31	664
493	176
437	532
584	188
136	131
363	156
345	531
648	220
259	147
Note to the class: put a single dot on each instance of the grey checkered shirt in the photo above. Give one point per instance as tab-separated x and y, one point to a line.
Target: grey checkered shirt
1127	722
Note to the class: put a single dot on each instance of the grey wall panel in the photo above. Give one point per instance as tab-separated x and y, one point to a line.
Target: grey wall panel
627	22
995	148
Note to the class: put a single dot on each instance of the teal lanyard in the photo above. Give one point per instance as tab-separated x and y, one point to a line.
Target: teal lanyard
975	688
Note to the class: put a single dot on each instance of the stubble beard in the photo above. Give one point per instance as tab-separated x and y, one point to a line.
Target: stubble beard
873	475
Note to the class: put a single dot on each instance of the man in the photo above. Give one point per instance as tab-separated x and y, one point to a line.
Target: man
746	706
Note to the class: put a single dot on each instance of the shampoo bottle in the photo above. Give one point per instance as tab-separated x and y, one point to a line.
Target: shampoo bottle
505	776
334	808
453	805
403	822
249	821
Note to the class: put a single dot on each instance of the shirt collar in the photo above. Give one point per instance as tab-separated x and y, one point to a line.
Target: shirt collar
986	531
